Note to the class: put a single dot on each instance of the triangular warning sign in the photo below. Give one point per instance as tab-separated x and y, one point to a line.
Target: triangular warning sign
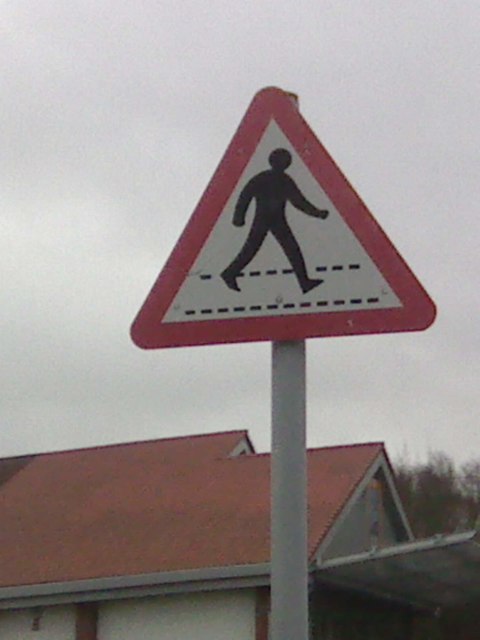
280	247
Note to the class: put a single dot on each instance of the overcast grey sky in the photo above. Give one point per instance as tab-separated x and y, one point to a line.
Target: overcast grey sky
114	116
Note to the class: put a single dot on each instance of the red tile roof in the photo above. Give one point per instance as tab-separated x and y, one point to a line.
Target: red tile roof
164	505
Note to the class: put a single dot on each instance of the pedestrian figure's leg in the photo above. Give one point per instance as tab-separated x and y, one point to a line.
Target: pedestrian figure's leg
246	254
289	244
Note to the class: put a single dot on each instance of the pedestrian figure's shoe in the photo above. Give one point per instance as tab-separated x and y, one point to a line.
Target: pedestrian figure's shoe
230	281
310	284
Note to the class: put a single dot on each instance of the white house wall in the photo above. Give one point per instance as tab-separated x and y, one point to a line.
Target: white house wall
54	623
205	616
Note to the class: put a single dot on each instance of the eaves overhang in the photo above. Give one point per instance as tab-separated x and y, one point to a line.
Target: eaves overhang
438	572
136	586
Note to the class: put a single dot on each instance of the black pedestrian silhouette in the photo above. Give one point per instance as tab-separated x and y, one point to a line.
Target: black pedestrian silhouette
272	189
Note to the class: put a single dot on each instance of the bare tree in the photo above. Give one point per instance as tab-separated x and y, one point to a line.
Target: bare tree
437	497
470	487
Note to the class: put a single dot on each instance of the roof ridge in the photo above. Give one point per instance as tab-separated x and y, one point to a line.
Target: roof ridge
355	445
242	432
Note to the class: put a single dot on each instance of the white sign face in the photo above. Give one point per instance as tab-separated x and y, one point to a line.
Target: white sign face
275	264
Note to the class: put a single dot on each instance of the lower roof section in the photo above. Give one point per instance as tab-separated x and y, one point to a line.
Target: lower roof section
437	572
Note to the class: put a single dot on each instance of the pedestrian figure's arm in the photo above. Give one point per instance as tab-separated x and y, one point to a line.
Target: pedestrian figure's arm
299	201
243	202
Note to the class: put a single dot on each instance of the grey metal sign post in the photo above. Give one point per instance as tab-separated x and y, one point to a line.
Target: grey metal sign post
289	553
288	529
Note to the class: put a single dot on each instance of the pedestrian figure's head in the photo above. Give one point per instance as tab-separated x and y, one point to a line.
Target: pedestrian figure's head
280	159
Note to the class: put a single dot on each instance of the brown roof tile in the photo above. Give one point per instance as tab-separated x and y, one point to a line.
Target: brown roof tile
165	505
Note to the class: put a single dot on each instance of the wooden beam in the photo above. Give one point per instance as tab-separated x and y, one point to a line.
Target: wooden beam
86	621
262	610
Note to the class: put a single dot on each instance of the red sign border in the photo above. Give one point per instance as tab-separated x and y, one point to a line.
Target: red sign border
417	311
